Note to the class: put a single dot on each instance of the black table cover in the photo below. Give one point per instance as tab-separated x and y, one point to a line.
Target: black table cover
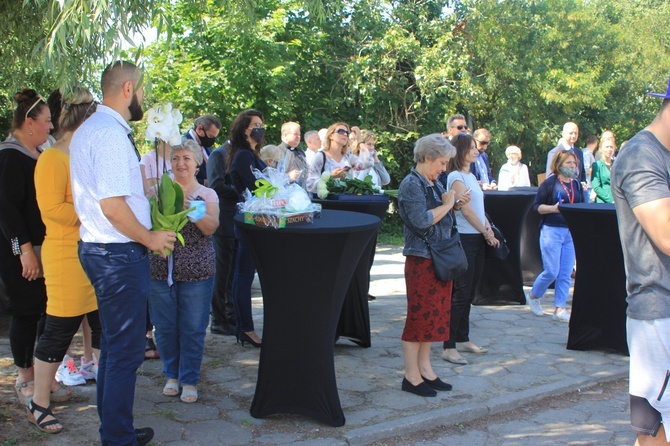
598	319
354	323
502	280
531	256
304	271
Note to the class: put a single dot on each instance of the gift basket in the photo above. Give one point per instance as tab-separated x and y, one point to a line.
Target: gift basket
277	202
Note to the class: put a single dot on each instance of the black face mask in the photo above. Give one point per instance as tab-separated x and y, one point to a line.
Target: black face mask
205	140
257	134
135	109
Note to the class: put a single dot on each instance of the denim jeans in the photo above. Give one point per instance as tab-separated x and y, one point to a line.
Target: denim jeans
464	290
245	268
558	259
119	273
180	314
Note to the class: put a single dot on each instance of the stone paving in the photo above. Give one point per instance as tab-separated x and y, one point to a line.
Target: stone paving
527	362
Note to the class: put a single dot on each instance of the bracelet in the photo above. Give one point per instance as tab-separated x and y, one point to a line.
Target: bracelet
27	252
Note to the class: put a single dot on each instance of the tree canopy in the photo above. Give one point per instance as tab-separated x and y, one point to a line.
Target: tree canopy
520	68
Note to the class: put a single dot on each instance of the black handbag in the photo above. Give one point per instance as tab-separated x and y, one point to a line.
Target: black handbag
448	256
502	251
449	259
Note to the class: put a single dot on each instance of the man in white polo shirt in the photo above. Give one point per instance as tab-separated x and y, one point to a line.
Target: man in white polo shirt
115	238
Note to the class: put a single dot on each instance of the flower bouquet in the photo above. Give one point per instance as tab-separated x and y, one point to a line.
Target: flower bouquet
167	202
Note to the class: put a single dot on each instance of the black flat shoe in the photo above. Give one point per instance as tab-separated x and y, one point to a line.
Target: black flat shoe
144	435
422	389
437	384
243	337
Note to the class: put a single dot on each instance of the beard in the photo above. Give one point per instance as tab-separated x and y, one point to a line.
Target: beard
135	109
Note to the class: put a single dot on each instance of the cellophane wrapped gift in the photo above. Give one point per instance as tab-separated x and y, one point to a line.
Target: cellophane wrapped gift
276	202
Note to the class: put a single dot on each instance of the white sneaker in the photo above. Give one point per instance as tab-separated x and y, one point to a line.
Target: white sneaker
563	316
535	305
68	374
89	370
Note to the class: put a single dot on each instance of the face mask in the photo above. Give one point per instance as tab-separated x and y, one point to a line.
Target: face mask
257	134
135	109
205	140
567	172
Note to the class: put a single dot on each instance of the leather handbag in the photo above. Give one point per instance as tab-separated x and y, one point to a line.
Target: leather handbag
502	251
448	257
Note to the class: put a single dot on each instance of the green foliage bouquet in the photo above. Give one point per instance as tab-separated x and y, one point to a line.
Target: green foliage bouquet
328	185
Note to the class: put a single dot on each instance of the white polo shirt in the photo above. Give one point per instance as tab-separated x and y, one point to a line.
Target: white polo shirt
104	164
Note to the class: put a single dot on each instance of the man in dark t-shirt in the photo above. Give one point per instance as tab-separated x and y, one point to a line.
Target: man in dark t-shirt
641	189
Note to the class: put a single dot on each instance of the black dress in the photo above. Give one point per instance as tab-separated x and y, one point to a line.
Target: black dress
19	218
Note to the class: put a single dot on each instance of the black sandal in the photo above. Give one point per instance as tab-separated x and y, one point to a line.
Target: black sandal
42	425
150	351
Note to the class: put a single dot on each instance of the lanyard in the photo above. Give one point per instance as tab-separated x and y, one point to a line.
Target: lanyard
571	193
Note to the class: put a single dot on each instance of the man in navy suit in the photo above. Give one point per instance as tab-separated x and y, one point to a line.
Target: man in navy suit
481	168
205	130
567	144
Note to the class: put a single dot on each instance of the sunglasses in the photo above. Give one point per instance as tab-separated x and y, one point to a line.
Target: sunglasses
462	127
39	98
484	143
342	132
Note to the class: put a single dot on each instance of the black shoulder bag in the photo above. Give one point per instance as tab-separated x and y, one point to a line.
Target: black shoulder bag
449	259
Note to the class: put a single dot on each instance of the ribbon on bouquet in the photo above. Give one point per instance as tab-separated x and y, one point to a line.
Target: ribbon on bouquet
265	189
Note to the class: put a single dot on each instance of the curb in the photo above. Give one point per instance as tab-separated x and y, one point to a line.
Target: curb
472	411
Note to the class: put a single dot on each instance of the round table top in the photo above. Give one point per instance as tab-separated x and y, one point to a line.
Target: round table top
512	192
331	221
606	208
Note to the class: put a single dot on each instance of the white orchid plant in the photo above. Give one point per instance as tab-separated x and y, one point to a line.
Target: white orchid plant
164	124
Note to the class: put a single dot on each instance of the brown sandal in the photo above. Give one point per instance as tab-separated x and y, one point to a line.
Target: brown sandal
23	399
42	425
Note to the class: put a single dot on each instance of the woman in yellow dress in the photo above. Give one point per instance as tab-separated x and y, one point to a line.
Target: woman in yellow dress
70	293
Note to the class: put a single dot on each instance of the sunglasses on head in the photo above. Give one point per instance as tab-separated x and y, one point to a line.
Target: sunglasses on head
39	98
342	132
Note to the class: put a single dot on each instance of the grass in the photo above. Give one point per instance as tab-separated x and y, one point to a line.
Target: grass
168	414
391	231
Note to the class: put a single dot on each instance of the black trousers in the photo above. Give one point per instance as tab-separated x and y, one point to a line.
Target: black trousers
23	330
223	309
465	288
58	334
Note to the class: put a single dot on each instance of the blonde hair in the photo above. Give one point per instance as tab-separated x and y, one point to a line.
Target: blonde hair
331	130
77	106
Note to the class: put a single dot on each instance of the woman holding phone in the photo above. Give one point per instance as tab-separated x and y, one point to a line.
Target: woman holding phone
335	157
475	231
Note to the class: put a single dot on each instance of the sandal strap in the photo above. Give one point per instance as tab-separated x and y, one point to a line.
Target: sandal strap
45	411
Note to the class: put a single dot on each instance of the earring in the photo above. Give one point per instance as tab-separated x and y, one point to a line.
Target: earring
31	133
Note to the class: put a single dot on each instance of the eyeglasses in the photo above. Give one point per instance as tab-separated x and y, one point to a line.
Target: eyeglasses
462	127
258	125
342	132
39	98
483	143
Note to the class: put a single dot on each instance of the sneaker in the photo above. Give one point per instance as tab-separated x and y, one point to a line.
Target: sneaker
563	316
535	305
89	370
68	374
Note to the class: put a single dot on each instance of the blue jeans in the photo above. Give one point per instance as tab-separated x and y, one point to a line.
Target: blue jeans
558	259
245	268
180	314
119	273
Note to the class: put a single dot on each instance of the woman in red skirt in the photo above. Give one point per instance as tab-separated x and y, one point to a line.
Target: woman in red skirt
427	210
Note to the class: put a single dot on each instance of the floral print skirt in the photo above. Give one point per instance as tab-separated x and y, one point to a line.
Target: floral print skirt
428	302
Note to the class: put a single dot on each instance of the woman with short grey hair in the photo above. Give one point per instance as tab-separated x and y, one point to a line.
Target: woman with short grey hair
427	210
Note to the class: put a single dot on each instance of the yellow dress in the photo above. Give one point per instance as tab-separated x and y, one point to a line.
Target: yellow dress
69	292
